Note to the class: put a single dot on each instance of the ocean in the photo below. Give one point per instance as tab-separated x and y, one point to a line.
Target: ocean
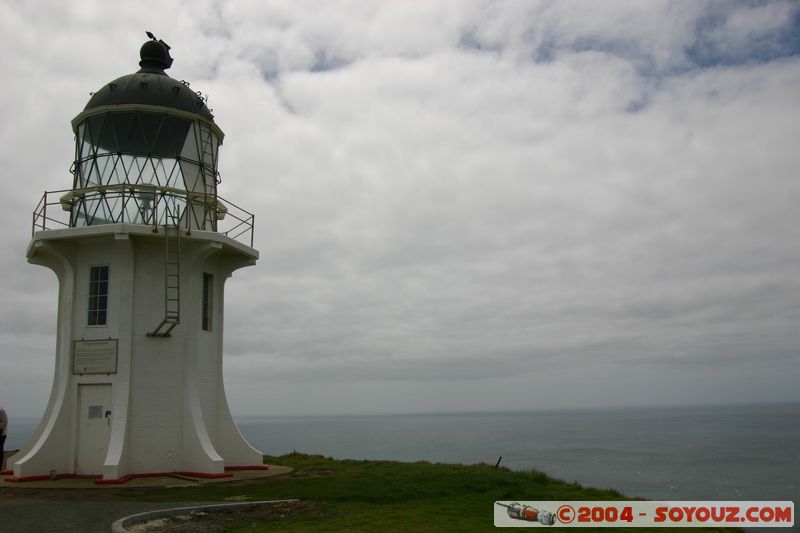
708	453
672	453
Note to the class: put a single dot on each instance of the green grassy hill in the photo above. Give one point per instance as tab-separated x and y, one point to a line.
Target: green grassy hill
387	495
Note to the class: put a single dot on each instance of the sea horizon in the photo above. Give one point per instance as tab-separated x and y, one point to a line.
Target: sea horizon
525	410
731	451
236	416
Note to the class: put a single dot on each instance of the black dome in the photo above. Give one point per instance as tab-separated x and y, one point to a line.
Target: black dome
151	86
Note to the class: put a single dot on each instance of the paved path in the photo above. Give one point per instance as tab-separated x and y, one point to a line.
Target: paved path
59	516
80	506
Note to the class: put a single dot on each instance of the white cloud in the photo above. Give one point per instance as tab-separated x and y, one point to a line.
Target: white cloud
457	197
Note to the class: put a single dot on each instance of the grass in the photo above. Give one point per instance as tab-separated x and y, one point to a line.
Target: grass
388	496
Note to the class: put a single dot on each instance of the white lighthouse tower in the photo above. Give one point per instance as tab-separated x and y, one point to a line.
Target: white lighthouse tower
142	246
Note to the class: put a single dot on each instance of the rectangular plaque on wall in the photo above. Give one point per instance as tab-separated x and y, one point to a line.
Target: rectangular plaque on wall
95	357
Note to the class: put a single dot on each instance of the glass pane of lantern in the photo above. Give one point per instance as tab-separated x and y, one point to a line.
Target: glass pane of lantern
92	176
150	125
134	142
105	165
189	148
94	127
192	176
173	135
175	177
86	148
116	174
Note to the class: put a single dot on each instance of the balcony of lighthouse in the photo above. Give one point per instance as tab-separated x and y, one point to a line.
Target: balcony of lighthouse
142	204
142	168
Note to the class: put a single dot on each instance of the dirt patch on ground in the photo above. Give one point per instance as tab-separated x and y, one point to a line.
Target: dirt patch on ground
219	520
300	473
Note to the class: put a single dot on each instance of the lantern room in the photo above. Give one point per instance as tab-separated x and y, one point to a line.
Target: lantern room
146	150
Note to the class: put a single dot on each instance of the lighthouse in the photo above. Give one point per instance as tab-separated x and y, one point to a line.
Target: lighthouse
141	245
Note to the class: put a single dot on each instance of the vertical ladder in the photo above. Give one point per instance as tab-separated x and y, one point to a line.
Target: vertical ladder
207	158
172	280
209	175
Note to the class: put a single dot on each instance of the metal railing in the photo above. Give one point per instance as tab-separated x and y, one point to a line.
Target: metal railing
143	204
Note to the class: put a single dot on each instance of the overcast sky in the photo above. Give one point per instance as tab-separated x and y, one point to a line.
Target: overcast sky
463	205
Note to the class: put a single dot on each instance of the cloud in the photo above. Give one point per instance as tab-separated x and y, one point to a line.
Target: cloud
461	197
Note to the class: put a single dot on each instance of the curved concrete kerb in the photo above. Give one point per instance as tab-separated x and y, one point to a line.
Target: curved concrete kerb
122	525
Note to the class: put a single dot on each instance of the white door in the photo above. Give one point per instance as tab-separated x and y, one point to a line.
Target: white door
94	428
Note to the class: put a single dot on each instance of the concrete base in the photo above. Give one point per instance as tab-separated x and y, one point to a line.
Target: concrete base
159	480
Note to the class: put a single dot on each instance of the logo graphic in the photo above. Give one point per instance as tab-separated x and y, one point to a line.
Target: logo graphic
530	514
636	513
565	514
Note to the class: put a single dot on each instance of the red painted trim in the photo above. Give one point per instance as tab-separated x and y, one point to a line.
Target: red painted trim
124	479
6	472
128	477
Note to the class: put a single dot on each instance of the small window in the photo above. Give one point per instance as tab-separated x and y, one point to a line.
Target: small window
208	293
98	295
